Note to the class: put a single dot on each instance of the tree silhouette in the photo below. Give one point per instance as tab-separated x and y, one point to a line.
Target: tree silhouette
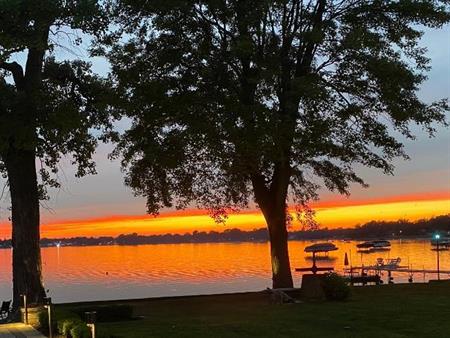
46	110
239	101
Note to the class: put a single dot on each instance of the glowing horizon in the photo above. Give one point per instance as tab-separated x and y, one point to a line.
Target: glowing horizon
329	214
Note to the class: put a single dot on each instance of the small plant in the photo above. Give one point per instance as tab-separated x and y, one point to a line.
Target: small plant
65	326
43	322
70	325
80	331
66	320
335	287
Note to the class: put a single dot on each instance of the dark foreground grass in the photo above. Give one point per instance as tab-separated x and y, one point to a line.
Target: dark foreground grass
419	310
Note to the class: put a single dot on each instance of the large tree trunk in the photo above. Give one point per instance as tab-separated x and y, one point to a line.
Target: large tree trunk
27	266
272	202
281	267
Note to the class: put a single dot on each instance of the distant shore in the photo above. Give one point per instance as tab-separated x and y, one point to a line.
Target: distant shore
401	229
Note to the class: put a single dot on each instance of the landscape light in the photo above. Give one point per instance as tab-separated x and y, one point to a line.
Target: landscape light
47	301
48	305
91	318
25	307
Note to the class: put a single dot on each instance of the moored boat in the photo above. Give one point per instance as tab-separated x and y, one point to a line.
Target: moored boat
381	244
365	245
444	242
375	245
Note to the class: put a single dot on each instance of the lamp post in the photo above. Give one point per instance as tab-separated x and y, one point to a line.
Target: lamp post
25	308
48	305
90	321
437	237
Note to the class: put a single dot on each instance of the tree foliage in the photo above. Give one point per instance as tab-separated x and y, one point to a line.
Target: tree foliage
234	100
50	105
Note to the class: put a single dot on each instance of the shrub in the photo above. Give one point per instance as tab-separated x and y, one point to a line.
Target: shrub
66	320
83	331
65	326
63	322
335	287
43	322
80	331
69	324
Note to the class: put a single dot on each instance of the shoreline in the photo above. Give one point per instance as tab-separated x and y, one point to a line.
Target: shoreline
223	295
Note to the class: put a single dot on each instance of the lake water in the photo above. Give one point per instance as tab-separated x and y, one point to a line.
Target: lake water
114	272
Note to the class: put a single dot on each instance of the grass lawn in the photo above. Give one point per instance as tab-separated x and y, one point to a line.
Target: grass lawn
417	310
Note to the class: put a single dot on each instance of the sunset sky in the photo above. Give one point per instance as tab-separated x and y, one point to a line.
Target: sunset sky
102	205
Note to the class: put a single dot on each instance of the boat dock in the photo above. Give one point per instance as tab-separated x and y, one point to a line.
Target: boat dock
372	274
403	269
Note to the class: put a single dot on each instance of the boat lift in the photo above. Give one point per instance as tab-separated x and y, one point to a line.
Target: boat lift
317	248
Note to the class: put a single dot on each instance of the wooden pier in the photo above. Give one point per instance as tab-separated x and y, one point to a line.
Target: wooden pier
403	269
375	273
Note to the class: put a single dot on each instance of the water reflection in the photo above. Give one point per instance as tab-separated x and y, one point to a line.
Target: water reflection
112	272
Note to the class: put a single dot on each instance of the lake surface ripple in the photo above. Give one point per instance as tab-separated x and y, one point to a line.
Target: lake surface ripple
114	272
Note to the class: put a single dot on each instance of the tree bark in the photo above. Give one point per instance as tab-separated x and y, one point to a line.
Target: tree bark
279	253
27	265
272	203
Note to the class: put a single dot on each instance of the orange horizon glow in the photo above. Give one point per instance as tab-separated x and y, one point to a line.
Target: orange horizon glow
342	200
329	214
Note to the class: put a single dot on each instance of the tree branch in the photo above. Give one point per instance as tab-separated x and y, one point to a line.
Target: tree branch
306	53
16	70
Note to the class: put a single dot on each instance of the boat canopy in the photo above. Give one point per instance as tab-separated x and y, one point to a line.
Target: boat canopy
321	247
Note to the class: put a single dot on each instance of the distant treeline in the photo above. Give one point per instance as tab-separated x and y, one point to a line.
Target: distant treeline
373	229
383	229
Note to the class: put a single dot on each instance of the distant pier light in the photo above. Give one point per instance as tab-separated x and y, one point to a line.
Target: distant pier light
437	237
